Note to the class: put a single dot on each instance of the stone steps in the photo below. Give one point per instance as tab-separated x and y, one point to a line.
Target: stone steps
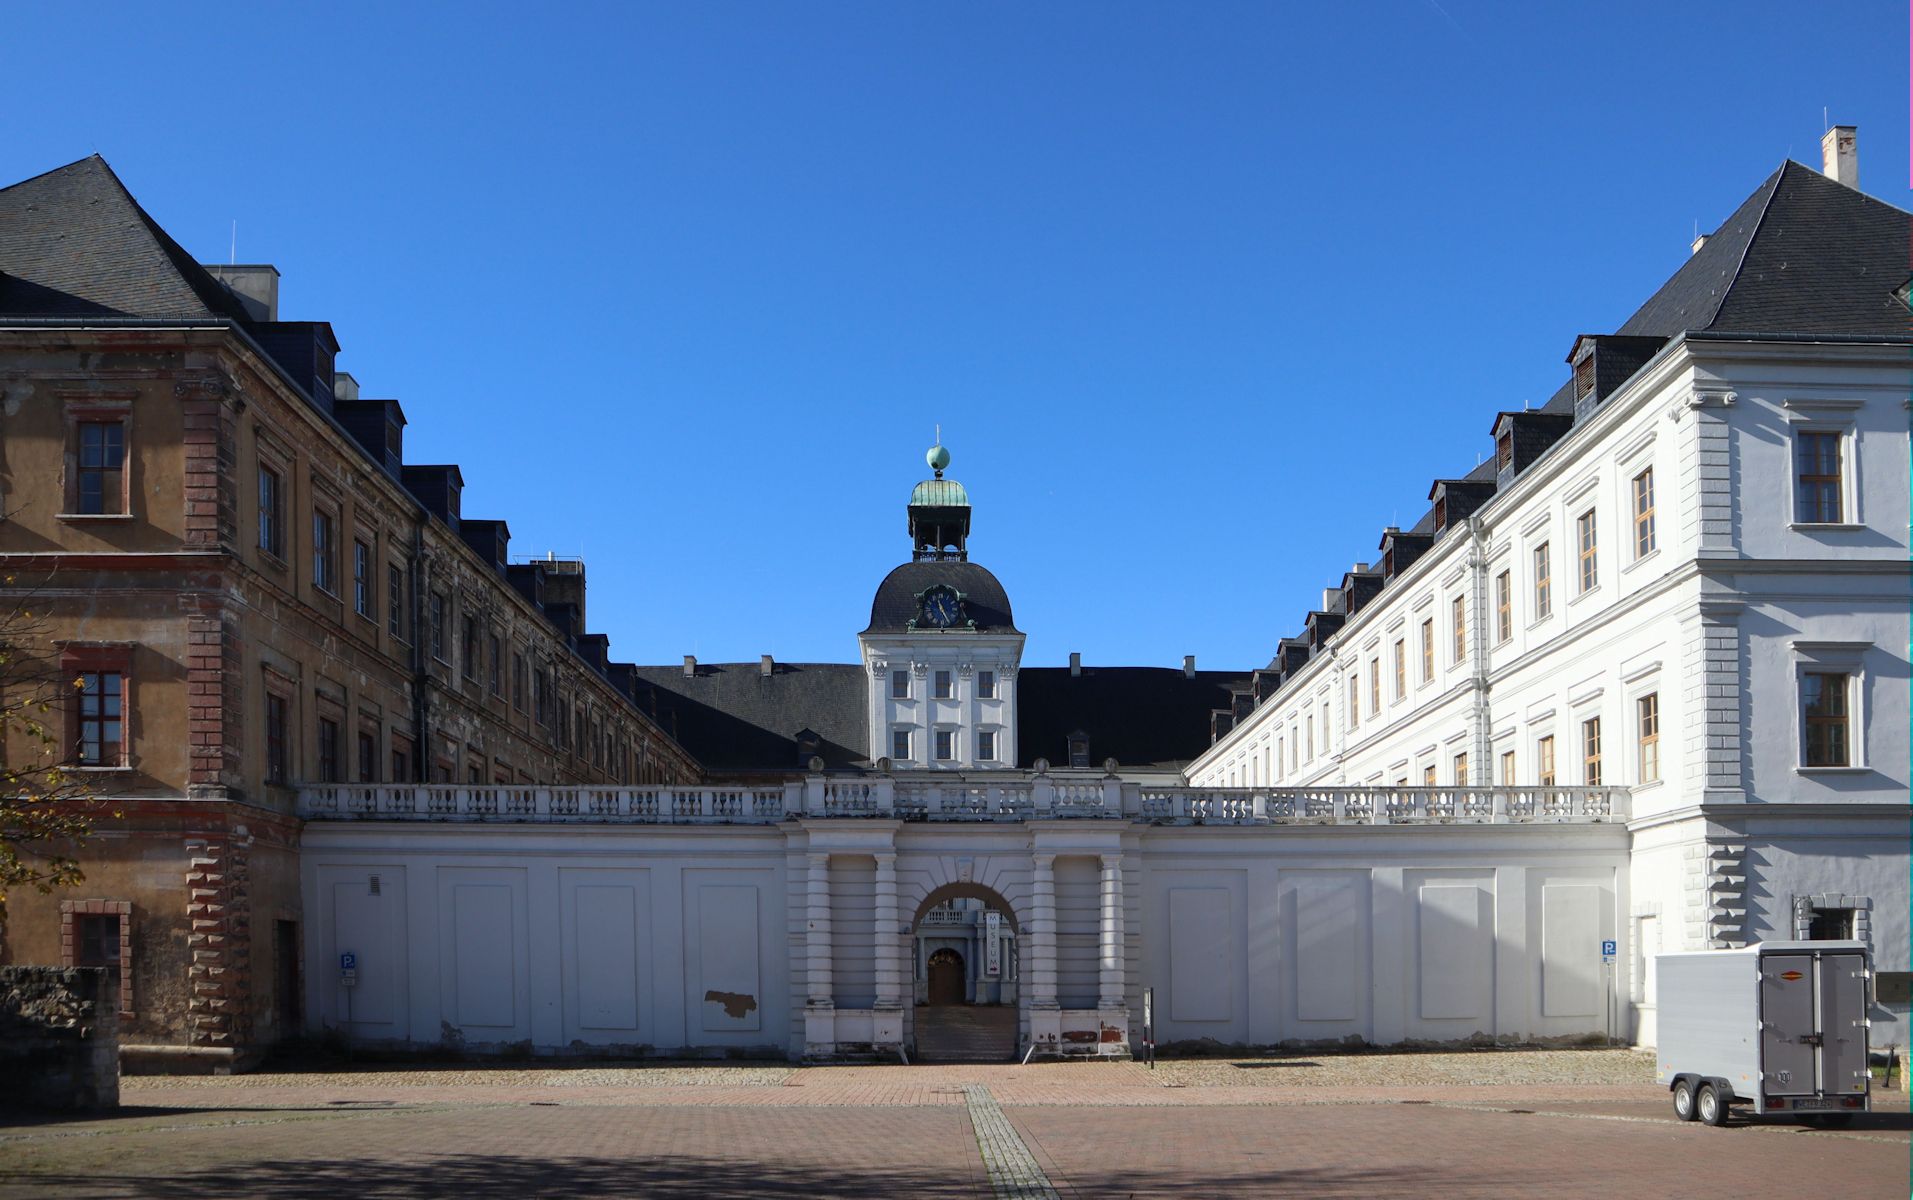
960	1033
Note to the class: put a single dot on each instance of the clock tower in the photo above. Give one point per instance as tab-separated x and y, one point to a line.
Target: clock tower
942	649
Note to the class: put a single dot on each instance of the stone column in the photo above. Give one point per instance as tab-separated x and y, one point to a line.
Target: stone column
1110	986
889	969
1042	965
820	993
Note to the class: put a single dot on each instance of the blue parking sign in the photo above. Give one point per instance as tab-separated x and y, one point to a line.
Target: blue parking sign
1607	948
349	961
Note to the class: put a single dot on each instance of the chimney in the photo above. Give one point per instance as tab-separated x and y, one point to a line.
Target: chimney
1698	243
1075	662
344	387
766	665
1188	666
690	666
1840	155
254	285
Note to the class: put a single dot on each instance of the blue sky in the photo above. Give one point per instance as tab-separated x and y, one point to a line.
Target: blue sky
1202	294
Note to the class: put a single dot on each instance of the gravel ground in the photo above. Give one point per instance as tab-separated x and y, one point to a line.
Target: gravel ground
1327	1070
1461	1068
666	1075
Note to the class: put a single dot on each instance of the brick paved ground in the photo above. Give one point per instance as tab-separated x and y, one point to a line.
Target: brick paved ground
1085	1130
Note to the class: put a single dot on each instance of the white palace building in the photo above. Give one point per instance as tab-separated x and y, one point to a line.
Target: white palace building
1641	678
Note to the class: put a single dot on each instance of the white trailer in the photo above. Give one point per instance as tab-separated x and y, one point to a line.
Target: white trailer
1780	1026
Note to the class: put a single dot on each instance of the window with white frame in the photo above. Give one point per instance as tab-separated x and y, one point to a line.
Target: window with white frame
1401	669
1819	491
899	685
1504	606
1588	547
1826	719
986	745
986	685
1644	513
1591	752
1647	718
1543	583
944	685
900	744
946	745
1830	684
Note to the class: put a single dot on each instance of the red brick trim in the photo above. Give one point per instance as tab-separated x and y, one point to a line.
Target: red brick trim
69	940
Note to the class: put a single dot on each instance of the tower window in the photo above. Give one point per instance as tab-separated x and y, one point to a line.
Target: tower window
986	685
943	685
899	685
946	745
900	744
986	746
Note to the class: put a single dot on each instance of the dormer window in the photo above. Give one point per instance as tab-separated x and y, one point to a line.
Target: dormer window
1504	450
1388	563
1441	512
1079	750
1584	377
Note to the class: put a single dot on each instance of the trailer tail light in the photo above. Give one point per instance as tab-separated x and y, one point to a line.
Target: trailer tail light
1850	1102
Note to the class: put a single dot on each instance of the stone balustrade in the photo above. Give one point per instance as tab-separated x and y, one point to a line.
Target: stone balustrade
995	796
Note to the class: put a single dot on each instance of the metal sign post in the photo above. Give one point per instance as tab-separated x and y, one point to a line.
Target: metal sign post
1149	1025
1607	983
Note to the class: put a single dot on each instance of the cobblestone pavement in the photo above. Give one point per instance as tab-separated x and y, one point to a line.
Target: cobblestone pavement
1572	1123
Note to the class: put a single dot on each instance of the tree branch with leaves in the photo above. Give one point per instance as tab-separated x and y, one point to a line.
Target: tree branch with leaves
47	810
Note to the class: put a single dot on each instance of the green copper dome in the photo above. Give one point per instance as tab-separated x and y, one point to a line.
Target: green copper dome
939	493
938	457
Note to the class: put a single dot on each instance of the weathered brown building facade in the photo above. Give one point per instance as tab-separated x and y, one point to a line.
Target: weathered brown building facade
254	590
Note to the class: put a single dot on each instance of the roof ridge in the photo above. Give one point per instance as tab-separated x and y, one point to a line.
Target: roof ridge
1753	235
55	171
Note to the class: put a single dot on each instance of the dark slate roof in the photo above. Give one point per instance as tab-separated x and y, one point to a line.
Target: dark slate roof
735	719
1140	716
74	243
731	717
1803	254
985	601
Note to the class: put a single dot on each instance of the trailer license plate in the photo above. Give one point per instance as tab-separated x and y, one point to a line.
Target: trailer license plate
1811	1102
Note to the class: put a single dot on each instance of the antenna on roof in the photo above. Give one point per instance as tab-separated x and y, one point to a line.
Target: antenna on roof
232	255
1825	124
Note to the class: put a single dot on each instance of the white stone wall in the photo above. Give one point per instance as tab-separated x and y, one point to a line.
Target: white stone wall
669	939
1716	622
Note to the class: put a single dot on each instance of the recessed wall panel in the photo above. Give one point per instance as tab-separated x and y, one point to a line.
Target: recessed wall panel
607	957
1571	949
1202	958
485	970
732	997
1454	946
1329	947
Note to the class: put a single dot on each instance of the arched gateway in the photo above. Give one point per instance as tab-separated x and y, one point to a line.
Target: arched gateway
965	955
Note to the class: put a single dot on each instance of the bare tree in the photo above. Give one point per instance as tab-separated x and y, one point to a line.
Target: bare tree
47	811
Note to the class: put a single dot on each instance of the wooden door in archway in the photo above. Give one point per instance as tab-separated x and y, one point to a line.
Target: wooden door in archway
946	977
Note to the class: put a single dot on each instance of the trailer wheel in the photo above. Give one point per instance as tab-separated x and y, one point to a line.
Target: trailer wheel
1710	1105
1684	1099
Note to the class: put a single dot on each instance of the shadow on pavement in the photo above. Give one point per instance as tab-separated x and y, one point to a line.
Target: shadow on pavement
485	1178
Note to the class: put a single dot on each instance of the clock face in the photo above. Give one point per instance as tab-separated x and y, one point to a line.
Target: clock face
940	607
